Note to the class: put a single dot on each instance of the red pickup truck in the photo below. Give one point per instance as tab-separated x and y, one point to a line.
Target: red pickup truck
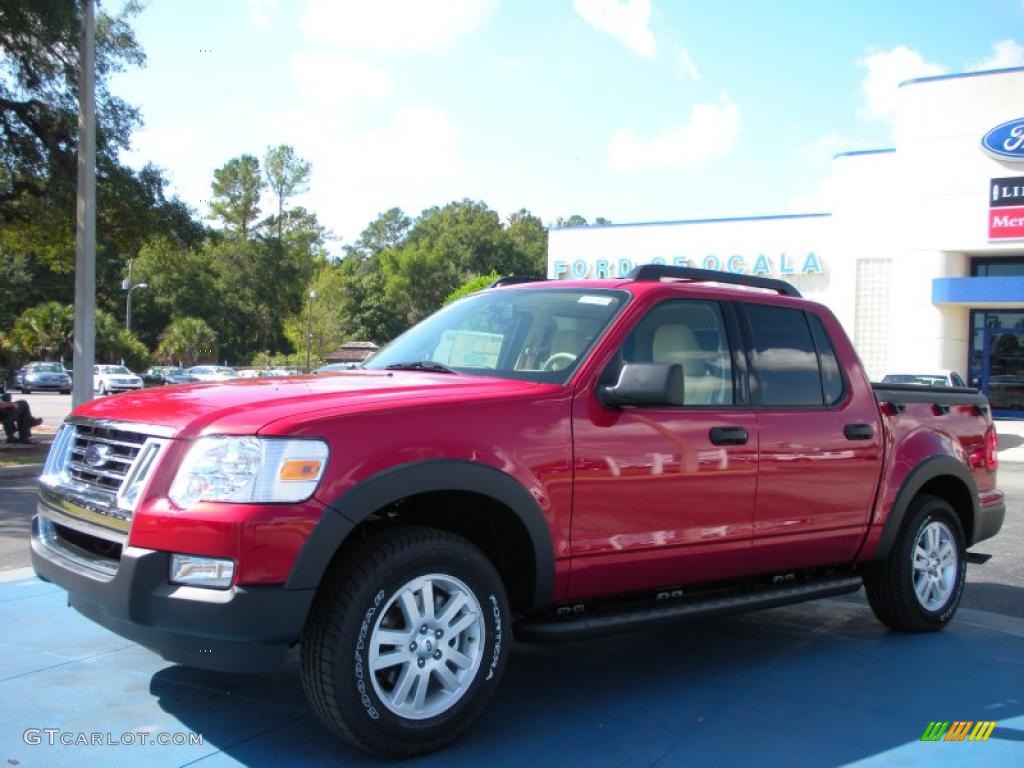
547	460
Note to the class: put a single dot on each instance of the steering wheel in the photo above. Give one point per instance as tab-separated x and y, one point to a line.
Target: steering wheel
552	363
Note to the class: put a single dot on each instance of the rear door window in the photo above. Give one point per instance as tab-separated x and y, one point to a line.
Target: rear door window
784	358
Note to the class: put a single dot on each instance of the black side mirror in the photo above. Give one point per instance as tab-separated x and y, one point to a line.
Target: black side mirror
645	384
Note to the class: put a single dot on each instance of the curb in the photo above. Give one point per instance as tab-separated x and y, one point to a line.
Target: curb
22	470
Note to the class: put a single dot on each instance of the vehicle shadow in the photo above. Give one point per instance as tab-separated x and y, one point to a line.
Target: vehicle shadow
714	693
1007	440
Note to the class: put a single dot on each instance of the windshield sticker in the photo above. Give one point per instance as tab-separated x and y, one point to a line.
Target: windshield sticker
603	301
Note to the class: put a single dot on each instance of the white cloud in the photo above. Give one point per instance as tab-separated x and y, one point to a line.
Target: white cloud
334	79
684	67
711	130
259	11
626	20
1005	54
410	161
886	70
395	25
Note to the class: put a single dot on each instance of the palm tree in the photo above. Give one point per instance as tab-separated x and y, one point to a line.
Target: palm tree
45	330
186	340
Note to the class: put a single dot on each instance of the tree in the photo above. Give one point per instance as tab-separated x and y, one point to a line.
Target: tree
287	175
388	231
529	237
236	188
44	331
572	221
187	340
472	285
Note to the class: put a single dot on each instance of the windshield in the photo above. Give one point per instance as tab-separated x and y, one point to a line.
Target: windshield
114	369
48	368
536	335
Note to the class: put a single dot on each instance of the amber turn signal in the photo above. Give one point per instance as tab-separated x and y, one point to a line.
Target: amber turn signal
299	470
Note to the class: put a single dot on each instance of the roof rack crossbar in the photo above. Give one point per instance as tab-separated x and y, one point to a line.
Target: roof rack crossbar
660	271
514	280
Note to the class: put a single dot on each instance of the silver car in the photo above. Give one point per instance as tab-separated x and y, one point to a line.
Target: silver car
45	376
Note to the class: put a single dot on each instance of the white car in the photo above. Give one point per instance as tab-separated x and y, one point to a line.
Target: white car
107	379
212	372
931	378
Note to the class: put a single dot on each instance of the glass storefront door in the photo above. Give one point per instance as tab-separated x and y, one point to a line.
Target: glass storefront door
1002	378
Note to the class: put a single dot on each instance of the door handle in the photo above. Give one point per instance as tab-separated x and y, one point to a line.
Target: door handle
728	436
858	431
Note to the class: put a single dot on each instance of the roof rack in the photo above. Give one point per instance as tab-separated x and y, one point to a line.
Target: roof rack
660	271
515	280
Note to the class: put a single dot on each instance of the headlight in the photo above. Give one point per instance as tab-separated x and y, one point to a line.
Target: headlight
249	469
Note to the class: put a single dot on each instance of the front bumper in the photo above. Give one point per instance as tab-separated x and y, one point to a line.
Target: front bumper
56	386
241	629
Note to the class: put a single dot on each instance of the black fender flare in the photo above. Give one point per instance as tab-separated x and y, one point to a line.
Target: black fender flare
927	470
396	483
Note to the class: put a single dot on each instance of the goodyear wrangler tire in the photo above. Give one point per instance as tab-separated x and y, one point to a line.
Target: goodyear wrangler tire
918	587
406	641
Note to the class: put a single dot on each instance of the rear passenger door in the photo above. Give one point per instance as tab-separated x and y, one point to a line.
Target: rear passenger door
820	448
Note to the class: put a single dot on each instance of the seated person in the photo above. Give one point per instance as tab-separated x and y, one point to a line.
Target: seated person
17	419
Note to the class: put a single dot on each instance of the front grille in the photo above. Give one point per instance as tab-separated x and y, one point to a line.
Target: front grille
103	456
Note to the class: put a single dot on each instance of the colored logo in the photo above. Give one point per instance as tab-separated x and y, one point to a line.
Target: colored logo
96	455
959	730
1006	141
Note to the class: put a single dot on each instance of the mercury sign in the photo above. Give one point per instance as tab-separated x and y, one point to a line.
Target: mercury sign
1006	141
780	264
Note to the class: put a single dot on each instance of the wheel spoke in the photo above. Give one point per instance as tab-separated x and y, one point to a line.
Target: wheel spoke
452	607
465	621
459	659
422	683
428	599
410	610
921	584
390	660
391	637
920	558
400	694
946	555
445	676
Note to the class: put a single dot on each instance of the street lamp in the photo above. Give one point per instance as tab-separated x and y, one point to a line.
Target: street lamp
128	312
309	327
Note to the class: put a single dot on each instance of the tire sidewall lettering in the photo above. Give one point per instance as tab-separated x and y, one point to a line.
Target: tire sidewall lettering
360	656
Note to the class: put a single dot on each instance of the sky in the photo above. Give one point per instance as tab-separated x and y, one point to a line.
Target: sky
634	110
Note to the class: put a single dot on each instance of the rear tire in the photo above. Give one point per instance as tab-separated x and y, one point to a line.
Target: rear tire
373	674
918	587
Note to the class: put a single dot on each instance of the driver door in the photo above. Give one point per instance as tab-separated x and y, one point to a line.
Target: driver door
664	496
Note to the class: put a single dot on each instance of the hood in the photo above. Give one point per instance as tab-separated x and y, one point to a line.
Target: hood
244	406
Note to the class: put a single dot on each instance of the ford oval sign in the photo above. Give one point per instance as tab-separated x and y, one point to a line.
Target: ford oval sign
1006	141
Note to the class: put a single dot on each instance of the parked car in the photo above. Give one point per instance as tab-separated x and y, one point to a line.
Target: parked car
551	460
330	367
48	376
159	375
212	372
931	379
108	379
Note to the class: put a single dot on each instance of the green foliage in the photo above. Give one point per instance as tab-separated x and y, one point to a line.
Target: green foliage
236	190
187	341
287	175
44	331
472	285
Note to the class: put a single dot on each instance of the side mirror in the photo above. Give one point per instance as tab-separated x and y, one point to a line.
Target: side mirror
645	384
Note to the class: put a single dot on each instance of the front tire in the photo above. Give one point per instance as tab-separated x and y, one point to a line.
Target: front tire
406	641
918	587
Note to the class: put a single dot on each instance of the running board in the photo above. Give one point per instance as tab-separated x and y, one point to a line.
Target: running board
607	622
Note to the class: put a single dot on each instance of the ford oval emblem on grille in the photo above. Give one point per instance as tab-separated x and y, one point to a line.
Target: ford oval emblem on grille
97	455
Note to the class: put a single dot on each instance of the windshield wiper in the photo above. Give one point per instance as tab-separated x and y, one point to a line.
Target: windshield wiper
419	365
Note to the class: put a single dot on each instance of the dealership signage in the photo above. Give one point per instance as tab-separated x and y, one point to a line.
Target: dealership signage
1006	141
807	263
1006	209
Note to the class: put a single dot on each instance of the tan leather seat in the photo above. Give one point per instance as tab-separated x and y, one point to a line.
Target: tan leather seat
676	343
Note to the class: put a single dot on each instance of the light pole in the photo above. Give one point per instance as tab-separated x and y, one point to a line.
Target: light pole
128	311
309	327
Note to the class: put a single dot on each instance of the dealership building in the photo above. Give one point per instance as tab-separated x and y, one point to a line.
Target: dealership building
921	257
